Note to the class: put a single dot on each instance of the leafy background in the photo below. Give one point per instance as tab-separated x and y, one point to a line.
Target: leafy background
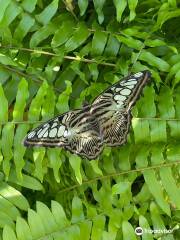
53	56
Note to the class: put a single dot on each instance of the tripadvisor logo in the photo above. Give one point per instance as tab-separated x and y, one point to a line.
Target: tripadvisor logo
139	231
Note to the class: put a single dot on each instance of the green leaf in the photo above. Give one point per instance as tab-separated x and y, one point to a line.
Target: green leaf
22	96
47	218
130	42
166	104
149	101
128	231
94	71
85	230
177	102
19	149
59	214
141	130
6	145
120	188
22	229
63	100
135	31
124	164
158	130
156	217
6	220
75	162
8	233
6	60
35	220
77	210
98	227
13	196
174	128
177	77
157	62
143	223
154	43
8	208
45	16
120	7
83	4
98	4
79	36
143	195
23	28
48	105
4	5
42	34
38	155
156	190
132	6
95	167
76	68
55	158
29	5
63	33
112	47
142	156
26	181
169	184
12	11
165	13
35	107
98	43
4	106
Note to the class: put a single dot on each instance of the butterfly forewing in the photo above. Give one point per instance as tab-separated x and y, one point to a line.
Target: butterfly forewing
75	130
106	122
113	107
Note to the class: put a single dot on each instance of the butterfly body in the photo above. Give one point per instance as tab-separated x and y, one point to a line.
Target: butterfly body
105	122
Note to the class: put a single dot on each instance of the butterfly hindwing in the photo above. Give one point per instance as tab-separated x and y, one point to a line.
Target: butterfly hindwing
74	130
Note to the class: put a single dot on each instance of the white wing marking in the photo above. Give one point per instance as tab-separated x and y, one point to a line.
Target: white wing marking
53	133
61	131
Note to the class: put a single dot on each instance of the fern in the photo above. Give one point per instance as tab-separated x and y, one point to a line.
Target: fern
53	56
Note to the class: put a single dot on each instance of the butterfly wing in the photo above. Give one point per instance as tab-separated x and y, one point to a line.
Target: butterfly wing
112	108
75	131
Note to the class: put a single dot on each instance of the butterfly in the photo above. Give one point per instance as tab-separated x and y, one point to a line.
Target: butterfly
105	122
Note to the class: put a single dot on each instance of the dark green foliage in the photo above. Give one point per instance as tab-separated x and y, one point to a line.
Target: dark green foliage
54	55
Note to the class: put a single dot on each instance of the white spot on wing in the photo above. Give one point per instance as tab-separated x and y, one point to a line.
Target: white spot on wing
120	103
45	135
43	131
53	133
61	131
54	125
132	81
31	134
130	86
67	133
119	98
118	89
125	92
137	75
